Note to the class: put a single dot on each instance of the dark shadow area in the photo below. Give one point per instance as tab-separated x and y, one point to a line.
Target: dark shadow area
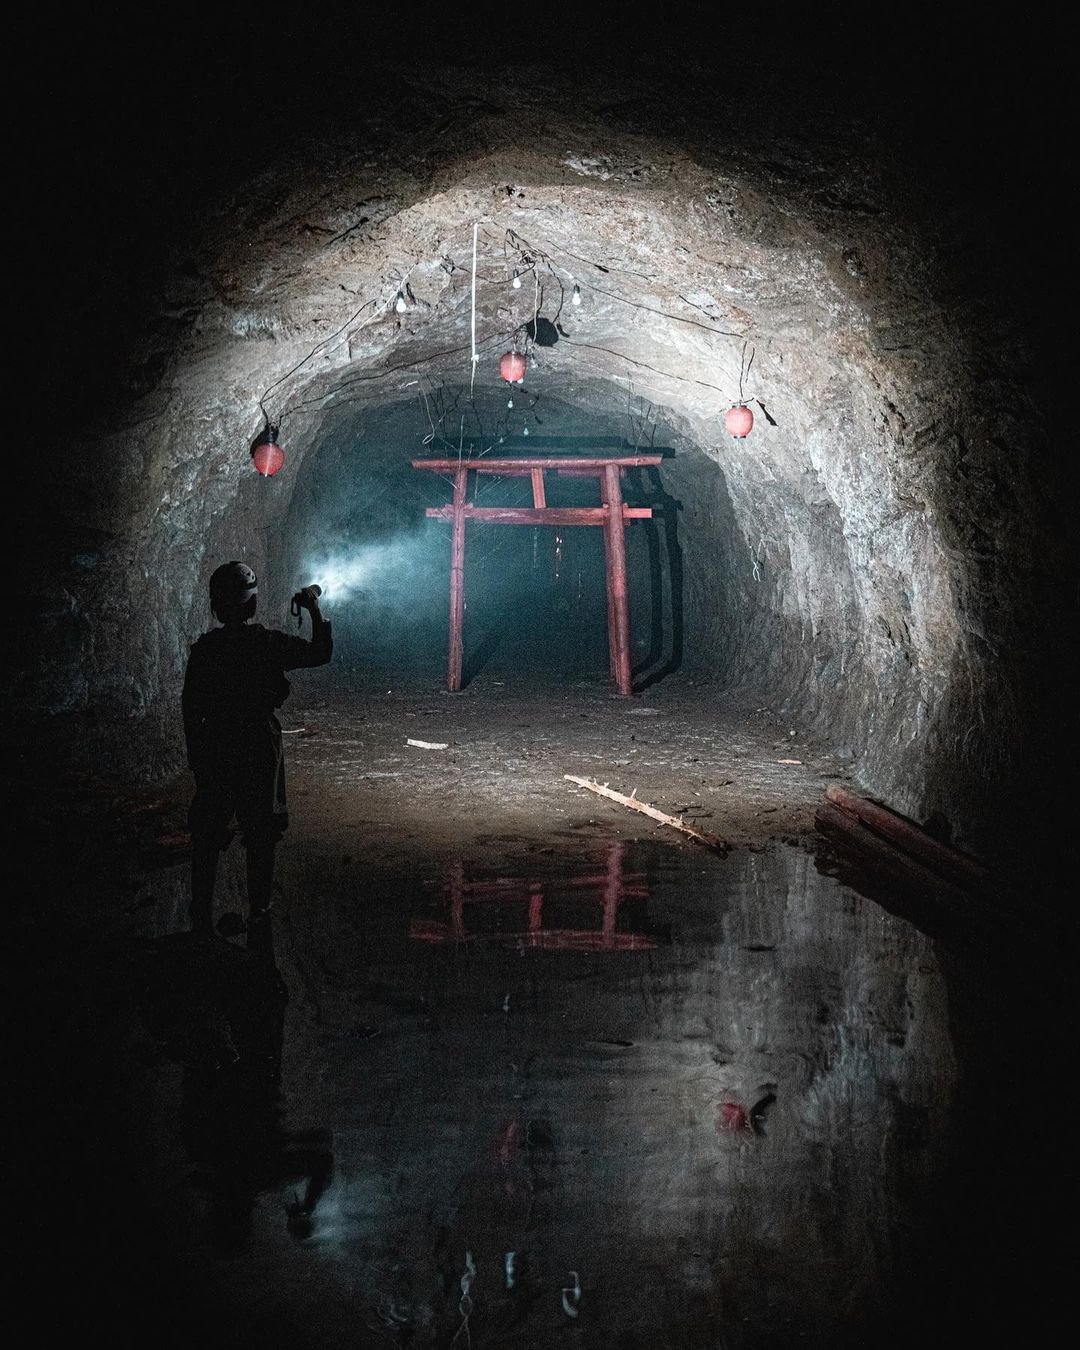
983	1267
219	1012
478	653
665	652
138	1059
542	331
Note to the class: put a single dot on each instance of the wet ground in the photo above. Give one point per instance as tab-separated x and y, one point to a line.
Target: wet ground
531	1070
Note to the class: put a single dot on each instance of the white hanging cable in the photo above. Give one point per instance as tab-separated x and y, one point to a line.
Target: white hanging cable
475	357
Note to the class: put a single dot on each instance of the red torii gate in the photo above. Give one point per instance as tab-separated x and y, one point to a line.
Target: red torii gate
612	514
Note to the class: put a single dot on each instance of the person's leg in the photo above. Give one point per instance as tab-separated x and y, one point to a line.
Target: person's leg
263	818
204	864
260	884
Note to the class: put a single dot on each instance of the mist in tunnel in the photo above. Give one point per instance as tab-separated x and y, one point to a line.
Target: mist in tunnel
535	595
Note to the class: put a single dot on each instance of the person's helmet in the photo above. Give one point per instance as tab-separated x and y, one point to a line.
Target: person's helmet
232	586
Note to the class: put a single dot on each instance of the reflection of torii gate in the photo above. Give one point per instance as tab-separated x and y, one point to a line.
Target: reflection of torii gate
610	887
611	514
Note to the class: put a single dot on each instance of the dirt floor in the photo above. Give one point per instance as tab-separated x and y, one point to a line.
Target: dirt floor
487	784
490	768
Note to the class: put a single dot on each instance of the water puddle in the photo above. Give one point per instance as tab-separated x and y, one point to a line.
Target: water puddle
593	909
637	1097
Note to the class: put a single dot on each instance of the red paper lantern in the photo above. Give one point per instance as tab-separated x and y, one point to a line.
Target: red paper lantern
512	367
266	454
739	421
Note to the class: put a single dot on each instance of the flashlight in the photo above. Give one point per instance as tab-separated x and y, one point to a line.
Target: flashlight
297	606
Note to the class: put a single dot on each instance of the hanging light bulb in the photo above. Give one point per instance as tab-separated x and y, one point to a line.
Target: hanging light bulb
575	299
401	304
524	431
516	283
510	402
266	454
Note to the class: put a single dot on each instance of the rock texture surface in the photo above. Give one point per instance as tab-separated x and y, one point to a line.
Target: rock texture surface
882	558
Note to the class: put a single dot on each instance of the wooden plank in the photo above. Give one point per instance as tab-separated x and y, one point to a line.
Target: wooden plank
959	868
457	582
539	498
525	466
513	889
602	790
531	515
588	473
615	554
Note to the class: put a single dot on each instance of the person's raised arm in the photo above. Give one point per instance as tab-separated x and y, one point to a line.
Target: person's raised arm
318	651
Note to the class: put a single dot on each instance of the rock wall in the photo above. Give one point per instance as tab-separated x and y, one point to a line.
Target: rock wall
880	557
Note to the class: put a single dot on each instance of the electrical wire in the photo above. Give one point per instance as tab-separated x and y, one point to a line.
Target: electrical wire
267	392
531	257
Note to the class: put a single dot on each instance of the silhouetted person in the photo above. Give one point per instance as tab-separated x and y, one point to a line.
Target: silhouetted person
234	683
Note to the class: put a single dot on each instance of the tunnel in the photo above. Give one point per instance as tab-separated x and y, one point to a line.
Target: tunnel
748	1058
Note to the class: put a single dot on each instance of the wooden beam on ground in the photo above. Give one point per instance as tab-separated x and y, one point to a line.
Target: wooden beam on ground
875	865
947	862
602	790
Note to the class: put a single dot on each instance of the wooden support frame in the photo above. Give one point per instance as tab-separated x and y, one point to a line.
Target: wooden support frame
611	515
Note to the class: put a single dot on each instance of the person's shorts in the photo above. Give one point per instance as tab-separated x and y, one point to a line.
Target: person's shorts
248	787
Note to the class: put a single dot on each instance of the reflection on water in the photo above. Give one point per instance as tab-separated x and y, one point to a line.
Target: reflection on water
673	1101
574	911
218	1012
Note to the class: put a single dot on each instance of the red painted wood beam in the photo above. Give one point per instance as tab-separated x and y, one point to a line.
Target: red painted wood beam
618	596
457	581
526	466
957	867
634	885
590	473
612	515
532	515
